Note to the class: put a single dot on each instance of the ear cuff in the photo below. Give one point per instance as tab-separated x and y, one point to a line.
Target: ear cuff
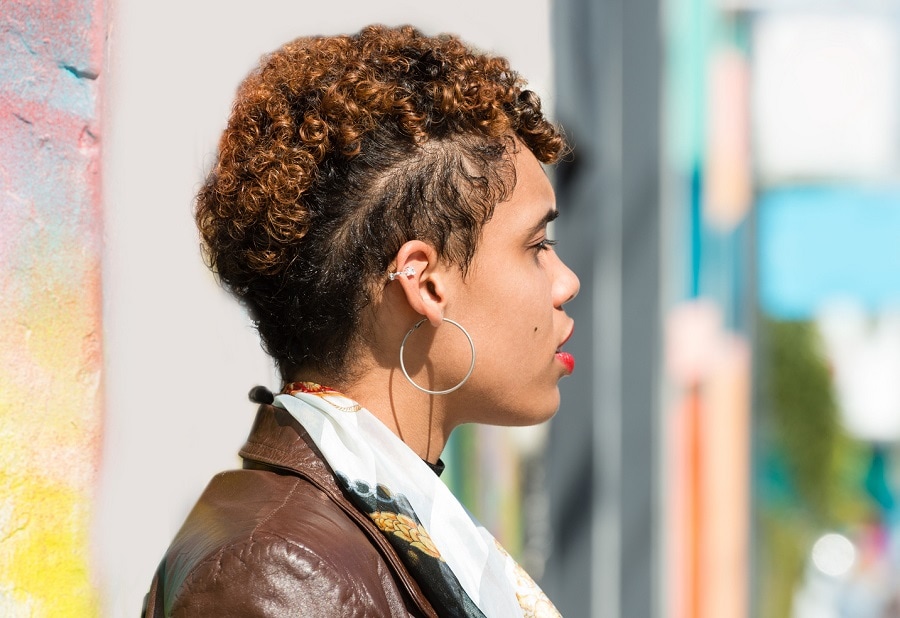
409	271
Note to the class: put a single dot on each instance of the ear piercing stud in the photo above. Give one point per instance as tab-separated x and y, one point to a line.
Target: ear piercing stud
409	271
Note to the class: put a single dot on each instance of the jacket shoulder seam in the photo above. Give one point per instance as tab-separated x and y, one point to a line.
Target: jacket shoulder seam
265	519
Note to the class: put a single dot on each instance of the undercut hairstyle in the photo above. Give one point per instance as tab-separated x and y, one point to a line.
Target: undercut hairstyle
339	150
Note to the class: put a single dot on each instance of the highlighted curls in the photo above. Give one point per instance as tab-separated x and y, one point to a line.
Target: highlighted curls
339	150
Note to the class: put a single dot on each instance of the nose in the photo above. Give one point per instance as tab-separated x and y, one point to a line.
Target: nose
566	284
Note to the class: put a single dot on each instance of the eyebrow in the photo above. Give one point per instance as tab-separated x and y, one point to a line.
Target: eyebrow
547	218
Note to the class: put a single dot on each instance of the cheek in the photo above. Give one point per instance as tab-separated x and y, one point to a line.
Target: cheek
529	321
513	314
524	340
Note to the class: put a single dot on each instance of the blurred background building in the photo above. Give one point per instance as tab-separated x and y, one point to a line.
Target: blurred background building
727	444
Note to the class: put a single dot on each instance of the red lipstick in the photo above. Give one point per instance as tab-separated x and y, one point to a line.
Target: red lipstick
567	360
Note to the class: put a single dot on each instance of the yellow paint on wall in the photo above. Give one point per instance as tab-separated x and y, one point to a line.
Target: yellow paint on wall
50	443
43	549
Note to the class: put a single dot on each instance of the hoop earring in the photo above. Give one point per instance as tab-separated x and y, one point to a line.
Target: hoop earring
453	388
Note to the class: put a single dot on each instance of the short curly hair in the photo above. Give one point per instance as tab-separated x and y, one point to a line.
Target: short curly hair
340	149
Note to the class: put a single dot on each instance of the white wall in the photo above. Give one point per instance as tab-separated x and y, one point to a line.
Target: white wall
180	354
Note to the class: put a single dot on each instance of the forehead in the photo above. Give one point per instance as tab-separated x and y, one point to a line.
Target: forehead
532	197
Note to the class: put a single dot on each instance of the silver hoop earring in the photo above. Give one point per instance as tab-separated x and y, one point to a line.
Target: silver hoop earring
471	365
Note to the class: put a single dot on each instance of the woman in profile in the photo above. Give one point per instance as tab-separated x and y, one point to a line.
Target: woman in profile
378	204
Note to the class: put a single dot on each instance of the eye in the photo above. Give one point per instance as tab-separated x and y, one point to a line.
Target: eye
544	245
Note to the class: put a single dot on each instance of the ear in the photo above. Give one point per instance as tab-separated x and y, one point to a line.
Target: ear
425	283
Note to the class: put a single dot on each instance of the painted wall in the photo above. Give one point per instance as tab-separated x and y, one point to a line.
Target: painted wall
51	403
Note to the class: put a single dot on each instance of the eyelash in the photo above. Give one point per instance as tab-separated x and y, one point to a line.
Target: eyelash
545	245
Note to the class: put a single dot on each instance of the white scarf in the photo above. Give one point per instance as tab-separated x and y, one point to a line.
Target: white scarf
460	567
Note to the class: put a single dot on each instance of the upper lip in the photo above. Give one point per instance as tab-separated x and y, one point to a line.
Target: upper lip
567	337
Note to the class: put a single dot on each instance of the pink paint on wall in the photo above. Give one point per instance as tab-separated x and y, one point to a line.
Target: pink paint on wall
51	54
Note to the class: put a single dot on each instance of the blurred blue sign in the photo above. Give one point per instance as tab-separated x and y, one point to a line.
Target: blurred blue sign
822	243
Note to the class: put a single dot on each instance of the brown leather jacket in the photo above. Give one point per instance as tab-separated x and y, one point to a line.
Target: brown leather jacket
278	538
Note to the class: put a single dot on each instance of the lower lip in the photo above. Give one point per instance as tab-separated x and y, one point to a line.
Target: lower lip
567	360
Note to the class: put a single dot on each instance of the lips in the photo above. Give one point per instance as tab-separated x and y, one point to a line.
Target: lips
567	360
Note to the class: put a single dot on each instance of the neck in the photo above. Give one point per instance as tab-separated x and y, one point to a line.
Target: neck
419	419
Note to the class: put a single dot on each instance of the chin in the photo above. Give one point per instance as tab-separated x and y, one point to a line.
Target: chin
547	416
525	416
530	407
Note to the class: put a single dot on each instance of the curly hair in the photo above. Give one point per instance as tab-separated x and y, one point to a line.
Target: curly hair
340	149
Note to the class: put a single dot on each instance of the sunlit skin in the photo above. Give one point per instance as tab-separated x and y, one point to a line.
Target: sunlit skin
511	303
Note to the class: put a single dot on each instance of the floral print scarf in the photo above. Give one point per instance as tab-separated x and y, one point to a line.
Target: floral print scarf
460	567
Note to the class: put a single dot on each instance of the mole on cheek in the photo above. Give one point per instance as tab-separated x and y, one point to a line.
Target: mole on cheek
535	329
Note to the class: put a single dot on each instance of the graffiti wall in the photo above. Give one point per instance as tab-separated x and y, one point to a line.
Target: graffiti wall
51	412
